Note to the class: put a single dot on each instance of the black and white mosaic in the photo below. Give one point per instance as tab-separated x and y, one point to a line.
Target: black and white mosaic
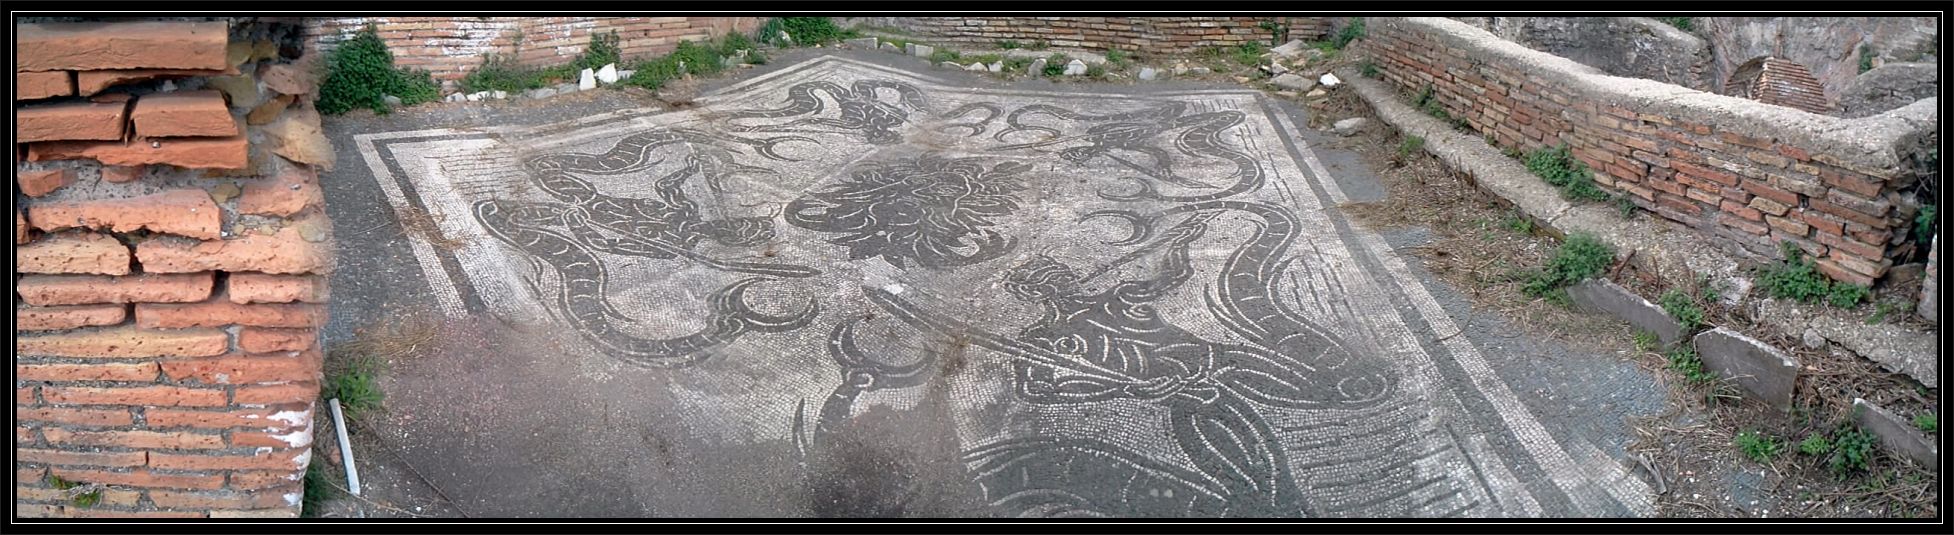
1131	306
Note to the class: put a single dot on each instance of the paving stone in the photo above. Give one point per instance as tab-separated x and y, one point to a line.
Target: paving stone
1604	296
1897	433
1765	371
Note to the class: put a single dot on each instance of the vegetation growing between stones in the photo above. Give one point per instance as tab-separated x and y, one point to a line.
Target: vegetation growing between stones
1369	69
360	73
356	385
1926	421
1681	23
1580	257
803	31
1685	361
1647	342
1815	445
1411	145
1850	452
1758	446
1866	55
319	489
1797	278
1559	167
1923	223
85	497
1683	309
1350	32
692	58
1055	65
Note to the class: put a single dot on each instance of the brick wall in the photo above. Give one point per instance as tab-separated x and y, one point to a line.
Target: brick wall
450	47
1166	35
1749	173
172	245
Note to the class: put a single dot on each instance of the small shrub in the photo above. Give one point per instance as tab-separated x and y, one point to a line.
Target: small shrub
1796	278
755	57
1625	207
1683	309
361	72
803	31
1850	452
1518	222
1277	31
1008	44
1815	445
1926	421
1249	54
1580	257
986	59
1681	23
1350	32
1845	295
944	54
1055	65
1865	59
1096	71
499	73
1409	146
1017	64
1757	446
319	489
602	50
1369	69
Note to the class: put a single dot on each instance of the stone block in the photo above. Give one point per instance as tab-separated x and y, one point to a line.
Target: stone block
1898	434
1603	296
1765	371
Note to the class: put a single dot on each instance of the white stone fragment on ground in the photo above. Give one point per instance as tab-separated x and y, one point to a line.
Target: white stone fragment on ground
608	74
976	66
1330	80
1148	73
996	66
625	75
921	51
1199	70
587	80
891	47
1075	68
454	97
1315	93
391	100
1350	127
499	94
477	96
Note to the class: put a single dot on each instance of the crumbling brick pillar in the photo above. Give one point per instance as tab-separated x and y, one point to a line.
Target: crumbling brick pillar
172	244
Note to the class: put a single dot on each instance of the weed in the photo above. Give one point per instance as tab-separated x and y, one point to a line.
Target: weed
1559	167
361	72
1277	31
1248	54
1923	224
1350	32
986	59
1850	452
1926	421
1040	44
1684	360
1411	145
1795	278
1096	71
1709	289
755	57
1681	23
1008	44
1888	307
690	58
1815	445
1625	206
1845	296
1017	64
500	73
1055	65
1865	59
1517	222
1757	446
319	489
356	385
1580	257
87	497
942	55
1368	69
1684	310
1646	341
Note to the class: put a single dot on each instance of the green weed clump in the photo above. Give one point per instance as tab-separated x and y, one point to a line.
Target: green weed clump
1815	445
1685	361
1580	257
1682	309
1797	278
1850	451
1559	167
1757	446
1350	32
360	73
803	31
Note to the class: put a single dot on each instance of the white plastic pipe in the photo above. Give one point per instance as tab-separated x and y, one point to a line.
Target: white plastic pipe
345	448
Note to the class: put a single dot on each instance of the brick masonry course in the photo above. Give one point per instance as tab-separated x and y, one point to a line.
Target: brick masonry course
141	369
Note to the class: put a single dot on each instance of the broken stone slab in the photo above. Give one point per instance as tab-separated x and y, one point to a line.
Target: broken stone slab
1037	67
607	74
1290	49
1350	127
541	92
1275	69
587	80
976	66
1315	94
1075	68
1763	370
1896	433
566	88
995	66
863	42
1293	82
891	47
1606	297
1899	347
1199	70
1148	73
921	51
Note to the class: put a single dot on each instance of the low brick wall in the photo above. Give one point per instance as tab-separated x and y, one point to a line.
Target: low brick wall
1749	173
172	250
1167	35
451	47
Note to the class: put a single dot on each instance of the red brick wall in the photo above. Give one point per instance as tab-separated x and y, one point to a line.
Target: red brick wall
450	47
1165	35
1752	174
172	274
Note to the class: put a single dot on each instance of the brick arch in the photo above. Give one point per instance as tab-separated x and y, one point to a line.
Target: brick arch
1774	80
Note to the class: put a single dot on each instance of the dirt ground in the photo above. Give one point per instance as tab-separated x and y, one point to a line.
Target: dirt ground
1483	245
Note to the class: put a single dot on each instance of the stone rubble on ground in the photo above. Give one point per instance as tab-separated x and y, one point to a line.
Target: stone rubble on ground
1275	69
1294	82
608	74
499	94
996	66
587	80
1290	49
1037	67
1075	68
566	88
541	92
863	42
1147	73
1350	127
625	75
390	100
891	47
1330	80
